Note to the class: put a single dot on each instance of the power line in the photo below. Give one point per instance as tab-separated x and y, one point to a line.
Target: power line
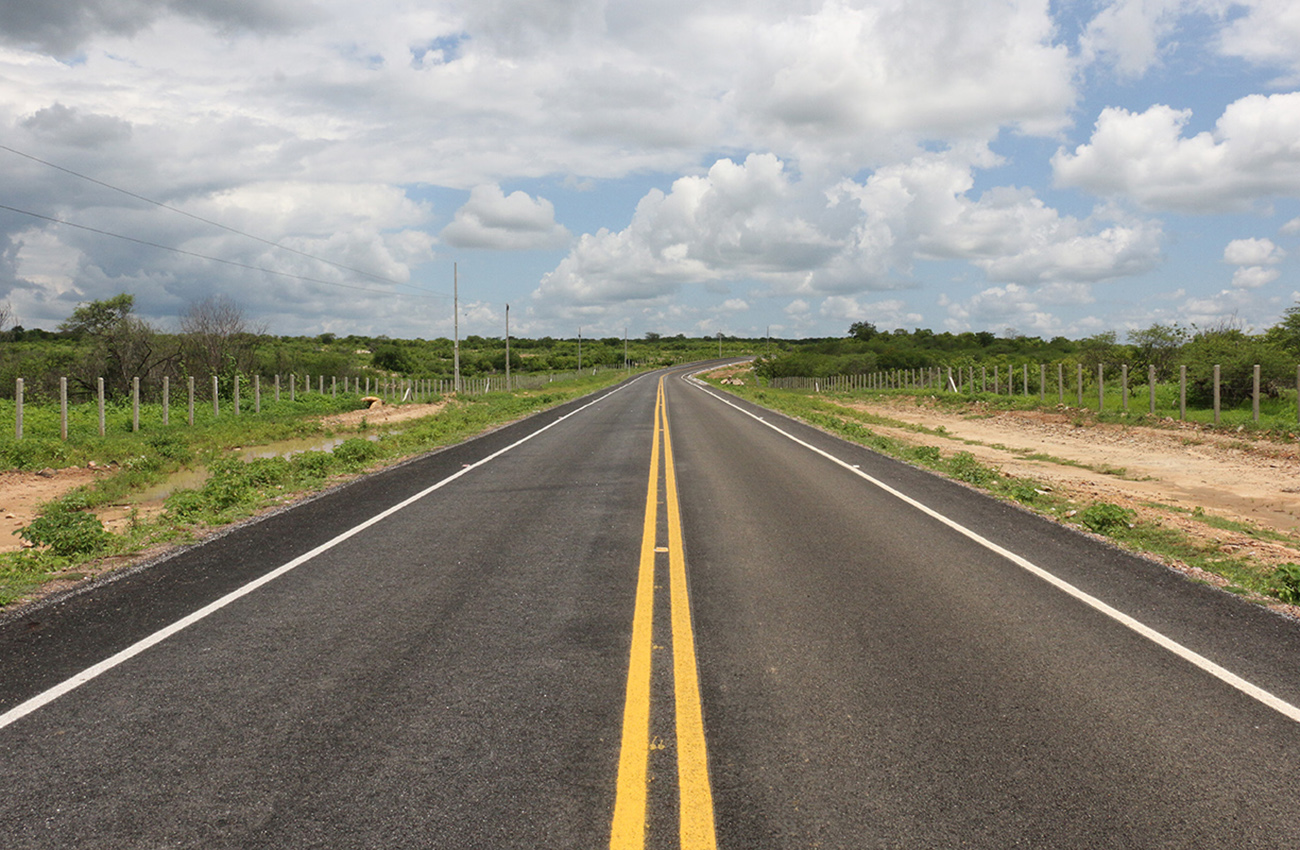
214	259
207	221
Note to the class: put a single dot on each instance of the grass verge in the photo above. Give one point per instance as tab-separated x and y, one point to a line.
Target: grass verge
72	543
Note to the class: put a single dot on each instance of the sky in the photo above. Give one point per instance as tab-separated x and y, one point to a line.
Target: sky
612	167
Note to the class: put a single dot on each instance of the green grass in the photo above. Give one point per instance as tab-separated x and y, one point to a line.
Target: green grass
236	489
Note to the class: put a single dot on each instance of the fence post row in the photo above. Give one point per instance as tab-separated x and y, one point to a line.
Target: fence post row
962	379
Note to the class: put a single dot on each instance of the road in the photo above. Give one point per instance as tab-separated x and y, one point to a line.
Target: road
656	617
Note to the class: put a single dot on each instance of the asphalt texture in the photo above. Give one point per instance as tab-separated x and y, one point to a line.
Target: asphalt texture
454	675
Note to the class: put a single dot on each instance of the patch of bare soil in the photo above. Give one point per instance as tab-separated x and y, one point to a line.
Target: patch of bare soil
381	414
1164	473
22	494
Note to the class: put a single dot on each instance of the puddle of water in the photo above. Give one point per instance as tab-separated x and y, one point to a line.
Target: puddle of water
192	479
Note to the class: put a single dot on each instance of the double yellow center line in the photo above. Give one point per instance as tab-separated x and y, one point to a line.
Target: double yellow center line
696	799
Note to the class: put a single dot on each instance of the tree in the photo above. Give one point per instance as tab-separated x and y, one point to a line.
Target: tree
216	339
1286	333
862	331
1099	350
122	345
1236	354
1159	346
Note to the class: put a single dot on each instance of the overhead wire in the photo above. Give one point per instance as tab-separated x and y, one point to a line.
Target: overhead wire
212	223
235	263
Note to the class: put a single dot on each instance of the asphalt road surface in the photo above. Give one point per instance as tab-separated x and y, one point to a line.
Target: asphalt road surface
656	617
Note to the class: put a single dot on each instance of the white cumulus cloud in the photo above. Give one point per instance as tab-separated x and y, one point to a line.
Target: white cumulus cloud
1252	252
496	221
1253	153
1253	277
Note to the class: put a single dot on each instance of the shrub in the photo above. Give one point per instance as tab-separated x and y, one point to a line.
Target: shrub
1236	354
171	445
926	454
313	464
1286	583
355	451
67	532
186	504
1105	518
964	467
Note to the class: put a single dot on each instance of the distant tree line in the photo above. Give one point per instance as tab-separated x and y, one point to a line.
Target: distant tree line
107	339
1166	347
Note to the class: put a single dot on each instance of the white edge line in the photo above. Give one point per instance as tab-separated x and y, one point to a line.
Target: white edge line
68	685
1222	673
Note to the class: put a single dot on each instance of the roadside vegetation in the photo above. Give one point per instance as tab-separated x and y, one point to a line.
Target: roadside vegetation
68	540
833	412
214	339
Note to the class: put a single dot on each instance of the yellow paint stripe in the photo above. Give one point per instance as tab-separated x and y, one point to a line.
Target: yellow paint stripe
697	828
628	829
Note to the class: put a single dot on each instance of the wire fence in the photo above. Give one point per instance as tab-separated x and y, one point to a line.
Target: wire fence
1103	389
242	394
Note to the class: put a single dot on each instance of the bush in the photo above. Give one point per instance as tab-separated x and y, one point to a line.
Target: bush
185	504
313	465
67	532
1105	518
964	467
1286	583
355	451
1236	354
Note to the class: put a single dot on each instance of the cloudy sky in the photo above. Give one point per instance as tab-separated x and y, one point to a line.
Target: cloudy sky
679	166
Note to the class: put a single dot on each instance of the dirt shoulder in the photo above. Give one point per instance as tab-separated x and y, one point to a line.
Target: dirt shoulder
1164	473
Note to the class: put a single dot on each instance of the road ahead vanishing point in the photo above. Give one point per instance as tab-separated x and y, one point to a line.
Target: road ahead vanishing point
657	617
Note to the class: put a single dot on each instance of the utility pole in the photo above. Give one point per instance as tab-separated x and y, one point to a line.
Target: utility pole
507	348
455	324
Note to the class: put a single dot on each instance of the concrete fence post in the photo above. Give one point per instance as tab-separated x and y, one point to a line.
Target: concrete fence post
237	395
63	408
257	393
135	405
18	409
1101	387
216	402
1151	384
1123	384
1254	396
189	408
100	384
1216	393
1079	383
167	400
1182	393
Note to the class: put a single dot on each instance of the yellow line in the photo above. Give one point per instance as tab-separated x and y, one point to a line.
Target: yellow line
628	829
697	829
